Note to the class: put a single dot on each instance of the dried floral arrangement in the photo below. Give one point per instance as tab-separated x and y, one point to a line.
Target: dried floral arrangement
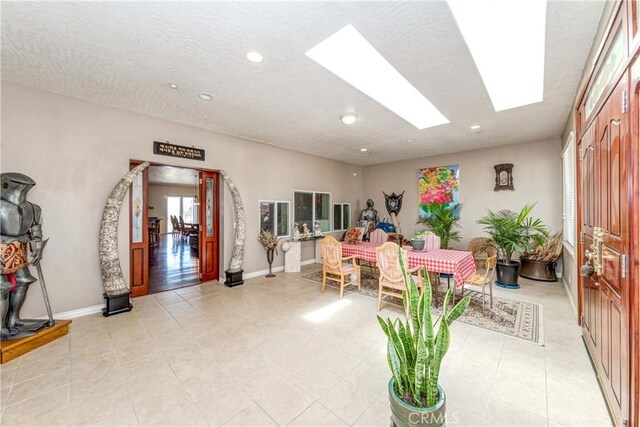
550	250
268	239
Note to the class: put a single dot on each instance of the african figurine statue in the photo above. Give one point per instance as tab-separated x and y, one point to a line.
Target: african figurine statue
20	227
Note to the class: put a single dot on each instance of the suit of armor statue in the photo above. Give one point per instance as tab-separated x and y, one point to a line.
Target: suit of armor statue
20	228
368	219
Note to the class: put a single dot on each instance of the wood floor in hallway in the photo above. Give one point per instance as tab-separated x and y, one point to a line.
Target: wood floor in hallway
172	264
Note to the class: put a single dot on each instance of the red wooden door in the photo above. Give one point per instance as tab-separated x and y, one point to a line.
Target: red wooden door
139	234
606	179
209	218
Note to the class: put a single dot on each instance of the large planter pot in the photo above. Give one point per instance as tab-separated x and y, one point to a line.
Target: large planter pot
418	244
507	274
404	415
533	269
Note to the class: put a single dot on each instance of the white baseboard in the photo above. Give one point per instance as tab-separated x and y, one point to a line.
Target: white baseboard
573	305
274	269
73	314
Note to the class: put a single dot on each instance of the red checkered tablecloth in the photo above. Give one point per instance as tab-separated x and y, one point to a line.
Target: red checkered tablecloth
458	263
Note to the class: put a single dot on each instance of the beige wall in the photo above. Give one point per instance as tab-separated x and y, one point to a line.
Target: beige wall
536	176
158	199
77	151
569	262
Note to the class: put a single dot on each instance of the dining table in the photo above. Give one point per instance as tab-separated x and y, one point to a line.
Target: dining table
459	264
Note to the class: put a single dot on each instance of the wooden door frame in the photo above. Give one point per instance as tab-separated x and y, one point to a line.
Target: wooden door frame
217	213
622	14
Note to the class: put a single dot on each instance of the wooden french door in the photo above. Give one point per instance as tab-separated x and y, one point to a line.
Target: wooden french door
139	233
209	237
606	220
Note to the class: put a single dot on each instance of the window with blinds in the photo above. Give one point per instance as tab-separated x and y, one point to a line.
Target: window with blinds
569	192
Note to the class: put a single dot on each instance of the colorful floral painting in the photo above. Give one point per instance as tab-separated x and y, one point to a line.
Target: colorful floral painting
439	186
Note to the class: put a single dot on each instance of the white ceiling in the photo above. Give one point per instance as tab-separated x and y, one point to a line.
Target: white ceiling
172	175
124	54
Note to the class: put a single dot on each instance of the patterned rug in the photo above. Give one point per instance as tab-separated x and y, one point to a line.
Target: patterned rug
513	318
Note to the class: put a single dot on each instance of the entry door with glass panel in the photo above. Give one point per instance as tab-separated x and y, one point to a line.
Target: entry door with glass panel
209	240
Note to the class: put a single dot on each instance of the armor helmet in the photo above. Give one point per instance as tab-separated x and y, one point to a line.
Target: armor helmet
15	186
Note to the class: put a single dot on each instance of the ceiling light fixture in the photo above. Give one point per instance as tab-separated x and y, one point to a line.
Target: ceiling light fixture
474	127
173	86
349	118
254	57
205	96
507	41
348	55
363	149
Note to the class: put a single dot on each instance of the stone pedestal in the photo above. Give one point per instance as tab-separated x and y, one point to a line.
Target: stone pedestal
292	258
318	251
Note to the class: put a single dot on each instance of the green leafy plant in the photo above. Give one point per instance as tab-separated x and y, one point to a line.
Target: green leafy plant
443	220
415	350
511	231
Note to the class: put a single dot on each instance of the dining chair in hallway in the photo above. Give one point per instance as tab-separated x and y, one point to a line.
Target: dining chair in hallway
335	268
483	281
391	281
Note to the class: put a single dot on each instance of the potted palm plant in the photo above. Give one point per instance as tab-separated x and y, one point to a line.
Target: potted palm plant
443	220
509	232
415	352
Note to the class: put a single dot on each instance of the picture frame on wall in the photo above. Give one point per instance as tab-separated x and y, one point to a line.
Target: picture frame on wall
504	176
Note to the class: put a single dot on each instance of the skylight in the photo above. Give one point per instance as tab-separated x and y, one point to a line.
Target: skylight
348	55
507	41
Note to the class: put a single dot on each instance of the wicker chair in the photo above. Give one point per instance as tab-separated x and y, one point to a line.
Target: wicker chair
333	266
391	281
484	280
481	251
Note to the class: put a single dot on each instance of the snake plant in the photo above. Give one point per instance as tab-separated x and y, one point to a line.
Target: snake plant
415	350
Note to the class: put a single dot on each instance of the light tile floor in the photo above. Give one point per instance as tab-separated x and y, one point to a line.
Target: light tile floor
278	352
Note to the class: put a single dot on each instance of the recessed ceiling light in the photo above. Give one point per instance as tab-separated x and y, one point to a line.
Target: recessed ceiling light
205	96
474	127
349	118
254	56
348	55
173	86
507	41
363	149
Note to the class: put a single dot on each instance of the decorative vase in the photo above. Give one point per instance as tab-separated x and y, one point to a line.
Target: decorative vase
544	271
417	244
270	253
405	415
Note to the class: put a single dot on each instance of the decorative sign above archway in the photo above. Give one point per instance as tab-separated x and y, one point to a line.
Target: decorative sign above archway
172	150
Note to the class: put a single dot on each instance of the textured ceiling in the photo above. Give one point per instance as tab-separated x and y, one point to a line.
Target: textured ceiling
124	54
172	175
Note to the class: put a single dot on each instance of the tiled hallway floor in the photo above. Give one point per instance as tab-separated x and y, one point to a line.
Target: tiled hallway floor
277	351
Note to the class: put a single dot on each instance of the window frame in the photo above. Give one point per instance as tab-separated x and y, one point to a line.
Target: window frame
313	208
342	205
196	210
275	216
569	207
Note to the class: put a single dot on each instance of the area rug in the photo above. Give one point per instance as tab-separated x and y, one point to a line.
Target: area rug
517	319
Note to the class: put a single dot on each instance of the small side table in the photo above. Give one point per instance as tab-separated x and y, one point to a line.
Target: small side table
292	258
